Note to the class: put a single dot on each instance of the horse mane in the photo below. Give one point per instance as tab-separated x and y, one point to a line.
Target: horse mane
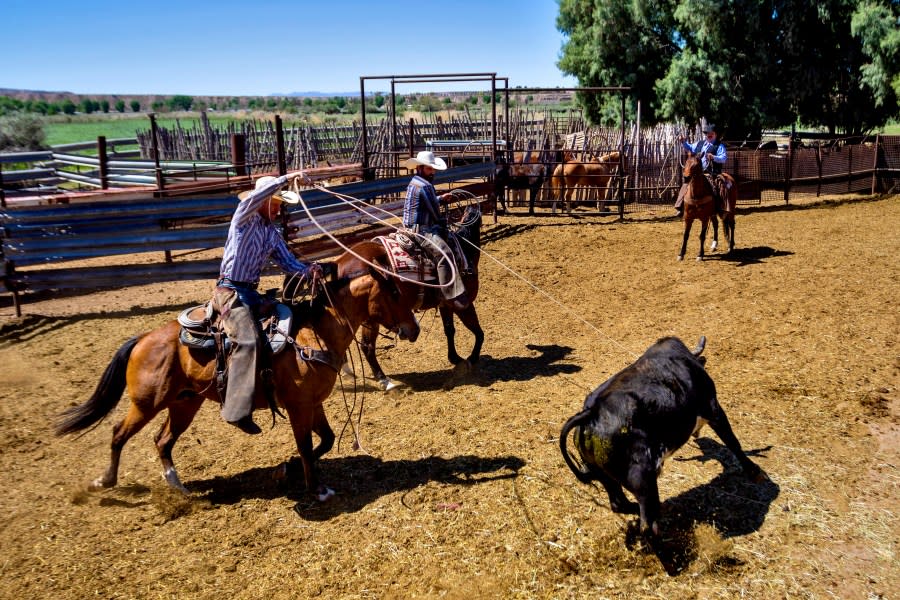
347	267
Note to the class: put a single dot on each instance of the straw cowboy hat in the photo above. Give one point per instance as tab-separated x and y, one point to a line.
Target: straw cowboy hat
426	158
284	196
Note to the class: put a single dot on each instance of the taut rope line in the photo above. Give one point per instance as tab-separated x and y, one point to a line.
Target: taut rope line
556	301
355	202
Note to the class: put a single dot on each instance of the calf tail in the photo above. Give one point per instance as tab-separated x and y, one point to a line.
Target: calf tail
700	346
106	396
581	471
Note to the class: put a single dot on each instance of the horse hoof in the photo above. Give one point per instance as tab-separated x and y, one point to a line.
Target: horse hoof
98	484
713	246
699	258
171	477
347	369
324	494
388	384
681	257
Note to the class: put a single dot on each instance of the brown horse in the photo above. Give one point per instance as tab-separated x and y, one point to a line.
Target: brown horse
698	204
590	173
160	373
468	230
527	171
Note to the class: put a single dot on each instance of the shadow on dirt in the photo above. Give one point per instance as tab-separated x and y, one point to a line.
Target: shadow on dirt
359	480
750	256
546	361
731	504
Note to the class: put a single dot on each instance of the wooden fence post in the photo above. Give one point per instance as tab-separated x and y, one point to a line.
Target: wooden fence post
239	154
279	146
788	169
875	163
849	167
154	131
103	162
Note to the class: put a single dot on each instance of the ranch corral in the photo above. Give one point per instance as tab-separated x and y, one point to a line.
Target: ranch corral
459	489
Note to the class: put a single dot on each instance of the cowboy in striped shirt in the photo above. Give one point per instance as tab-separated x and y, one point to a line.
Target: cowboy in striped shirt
421	213
253	239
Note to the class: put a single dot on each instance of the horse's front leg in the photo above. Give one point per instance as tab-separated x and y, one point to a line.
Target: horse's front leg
684	240
704	225
302	419
368	339
181	414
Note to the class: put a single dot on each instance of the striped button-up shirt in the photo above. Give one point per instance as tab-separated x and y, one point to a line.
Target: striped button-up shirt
253	240
422	203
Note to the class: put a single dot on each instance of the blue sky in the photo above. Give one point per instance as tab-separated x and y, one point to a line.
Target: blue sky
232	48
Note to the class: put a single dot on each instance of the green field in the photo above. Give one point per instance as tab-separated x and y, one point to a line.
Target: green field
85	130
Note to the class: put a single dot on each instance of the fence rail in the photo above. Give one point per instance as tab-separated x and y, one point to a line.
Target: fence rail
36	241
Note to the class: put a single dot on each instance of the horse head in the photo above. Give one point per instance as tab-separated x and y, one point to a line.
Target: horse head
365	266
692	167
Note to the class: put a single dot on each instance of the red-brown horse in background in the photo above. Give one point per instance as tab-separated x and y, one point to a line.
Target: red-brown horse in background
594	173
162	374
468	230
698	204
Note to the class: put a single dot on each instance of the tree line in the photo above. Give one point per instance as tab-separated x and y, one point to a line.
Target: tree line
328	105
746	66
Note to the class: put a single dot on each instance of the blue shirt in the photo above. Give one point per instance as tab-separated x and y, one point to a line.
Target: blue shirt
420	195
703	147
253	240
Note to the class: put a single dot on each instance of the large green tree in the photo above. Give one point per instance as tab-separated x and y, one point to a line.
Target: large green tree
744	64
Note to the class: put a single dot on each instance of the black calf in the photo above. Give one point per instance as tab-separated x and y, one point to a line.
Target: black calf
638	417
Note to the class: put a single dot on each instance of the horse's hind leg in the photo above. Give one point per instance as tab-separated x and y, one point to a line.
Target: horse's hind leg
133	422
715	241
729	233
180	417
323	430
469	318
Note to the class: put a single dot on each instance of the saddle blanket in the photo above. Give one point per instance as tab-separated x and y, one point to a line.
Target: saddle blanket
195	332
398	246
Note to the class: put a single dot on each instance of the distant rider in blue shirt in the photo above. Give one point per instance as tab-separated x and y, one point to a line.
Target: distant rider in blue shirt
712	156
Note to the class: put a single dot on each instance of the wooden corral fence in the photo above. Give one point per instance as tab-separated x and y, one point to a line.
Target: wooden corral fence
37	241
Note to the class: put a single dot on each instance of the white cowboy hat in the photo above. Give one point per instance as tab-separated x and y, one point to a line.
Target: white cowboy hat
283	196
426	158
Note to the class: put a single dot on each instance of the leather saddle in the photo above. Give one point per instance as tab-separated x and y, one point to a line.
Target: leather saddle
199	328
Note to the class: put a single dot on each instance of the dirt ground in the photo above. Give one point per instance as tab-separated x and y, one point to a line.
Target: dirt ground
459	489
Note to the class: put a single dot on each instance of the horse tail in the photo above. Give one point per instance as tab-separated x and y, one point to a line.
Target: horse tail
581	472
106	396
